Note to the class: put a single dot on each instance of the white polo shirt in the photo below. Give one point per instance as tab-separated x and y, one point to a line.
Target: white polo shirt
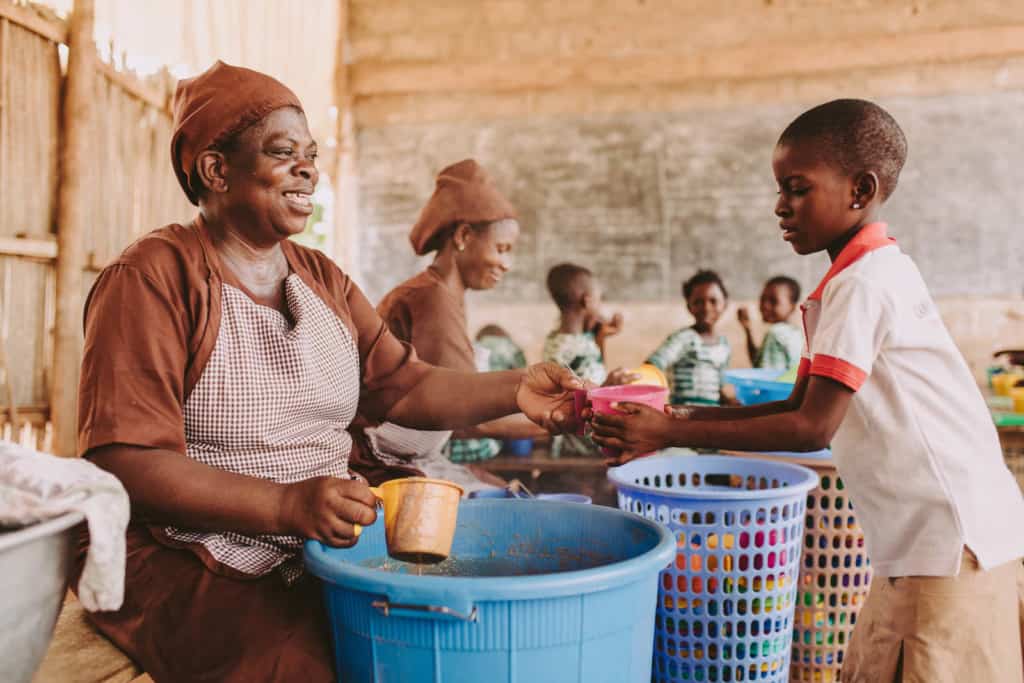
917	449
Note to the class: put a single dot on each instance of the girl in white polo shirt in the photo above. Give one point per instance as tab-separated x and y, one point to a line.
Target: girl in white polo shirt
883	383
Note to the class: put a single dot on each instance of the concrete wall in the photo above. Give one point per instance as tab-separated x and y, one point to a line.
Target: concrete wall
635	137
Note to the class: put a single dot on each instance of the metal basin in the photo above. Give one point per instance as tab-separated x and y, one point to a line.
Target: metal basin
34	566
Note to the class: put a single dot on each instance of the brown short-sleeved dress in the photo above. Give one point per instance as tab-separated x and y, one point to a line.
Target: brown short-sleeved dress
179	357
426	313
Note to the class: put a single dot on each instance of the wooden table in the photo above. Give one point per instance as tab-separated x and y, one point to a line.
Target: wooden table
542	473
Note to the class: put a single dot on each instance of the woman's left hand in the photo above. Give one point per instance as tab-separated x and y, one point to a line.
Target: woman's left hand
636	430
545	395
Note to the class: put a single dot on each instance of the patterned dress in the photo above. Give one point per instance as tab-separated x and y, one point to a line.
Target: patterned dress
781	348
578	352
694	367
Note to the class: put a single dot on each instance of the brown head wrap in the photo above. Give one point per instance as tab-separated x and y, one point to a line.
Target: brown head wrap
465	193
216	104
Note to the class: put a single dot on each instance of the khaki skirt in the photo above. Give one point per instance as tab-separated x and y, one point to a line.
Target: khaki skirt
941	629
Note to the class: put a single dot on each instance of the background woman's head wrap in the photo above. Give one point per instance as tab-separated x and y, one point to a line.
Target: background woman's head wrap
215	105
465	193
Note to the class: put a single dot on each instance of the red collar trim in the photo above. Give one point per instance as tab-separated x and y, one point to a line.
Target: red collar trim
872	236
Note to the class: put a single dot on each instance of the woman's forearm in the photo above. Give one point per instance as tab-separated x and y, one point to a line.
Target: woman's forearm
516	426
172	488
448	399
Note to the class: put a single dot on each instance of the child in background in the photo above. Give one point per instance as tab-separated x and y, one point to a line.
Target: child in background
493	349
502	352
883	382
784	340
694	358
578	343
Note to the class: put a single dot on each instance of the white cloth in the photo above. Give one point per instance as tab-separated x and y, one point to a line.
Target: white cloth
917	448
424	450
35	487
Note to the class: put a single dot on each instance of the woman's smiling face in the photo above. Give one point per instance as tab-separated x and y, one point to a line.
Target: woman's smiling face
271	175
487	253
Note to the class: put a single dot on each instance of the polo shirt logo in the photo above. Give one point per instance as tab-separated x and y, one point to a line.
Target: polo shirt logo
922	309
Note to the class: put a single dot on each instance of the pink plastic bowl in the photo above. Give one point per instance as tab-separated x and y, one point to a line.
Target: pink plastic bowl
601	399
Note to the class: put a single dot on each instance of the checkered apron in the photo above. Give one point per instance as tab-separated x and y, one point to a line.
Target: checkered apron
274	402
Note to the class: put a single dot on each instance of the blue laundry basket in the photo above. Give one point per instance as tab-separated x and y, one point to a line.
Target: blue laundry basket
587	613
758	385
725	605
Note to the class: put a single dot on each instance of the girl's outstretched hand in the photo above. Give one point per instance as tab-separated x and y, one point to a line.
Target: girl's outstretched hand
635	431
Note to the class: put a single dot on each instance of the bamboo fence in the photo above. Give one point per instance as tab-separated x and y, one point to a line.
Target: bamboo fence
130	190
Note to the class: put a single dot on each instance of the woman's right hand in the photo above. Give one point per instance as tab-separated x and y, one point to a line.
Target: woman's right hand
326	508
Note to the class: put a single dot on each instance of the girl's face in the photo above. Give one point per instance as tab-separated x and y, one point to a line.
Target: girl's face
487	253
814	205
706	304
776	304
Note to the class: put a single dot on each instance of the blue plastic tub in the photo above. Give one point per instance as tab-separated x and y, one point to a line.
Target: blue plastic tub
725	605
507	494
566	497
496	493
757	385
518	447
568	623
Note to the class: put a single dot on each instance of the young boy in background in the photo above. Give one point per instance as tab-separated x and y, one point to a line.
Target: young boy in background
694	358
578	343
784	339
883	382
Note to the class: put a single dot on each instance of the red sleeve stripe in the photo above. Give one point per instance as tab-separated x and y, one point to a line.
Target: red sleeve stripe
838	369
805	367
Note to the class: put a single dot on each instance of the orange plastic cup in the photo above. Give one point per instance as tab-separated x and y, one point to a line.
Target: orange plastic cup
419	517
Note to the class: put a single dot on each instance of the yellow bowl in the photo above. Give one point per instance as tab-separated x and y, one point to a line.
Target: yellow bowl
650	374
1003	382
1017	395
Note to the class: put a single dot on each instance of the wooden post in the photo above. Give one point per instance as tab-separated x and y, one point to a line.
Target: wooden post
345	176
75	183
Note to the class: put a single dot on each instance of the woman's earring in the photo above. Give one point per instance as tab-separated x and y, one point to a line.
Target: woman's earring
461	247
855	205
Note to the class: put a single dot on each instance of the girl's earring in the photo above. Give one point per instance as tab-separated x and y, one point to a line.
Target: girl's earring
855	205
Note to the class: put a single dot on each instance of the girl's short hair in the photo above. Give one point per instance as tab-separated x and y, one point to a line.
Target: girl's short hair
703	277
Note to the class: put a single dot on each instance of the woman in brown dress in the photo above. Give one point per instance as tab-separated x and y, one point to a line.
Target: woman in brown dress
223	365
472	230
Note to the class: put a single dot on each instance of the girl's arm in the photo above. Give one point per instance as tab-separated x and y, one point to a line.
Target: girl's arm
808	427
740	412
752	349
